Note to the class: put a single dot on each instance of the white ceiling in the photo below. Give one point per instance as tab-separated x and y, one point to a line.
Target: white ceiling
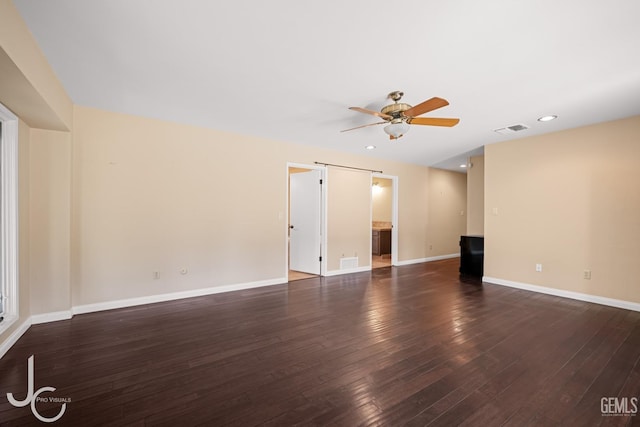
289	69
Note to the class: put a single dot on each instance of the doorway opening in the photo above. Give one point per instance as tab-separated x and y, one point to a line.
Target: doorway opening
383	219
305	203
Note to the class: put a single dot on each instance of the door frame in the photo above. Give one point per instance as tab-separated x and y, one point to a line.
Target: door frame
9	219
323	215
394	218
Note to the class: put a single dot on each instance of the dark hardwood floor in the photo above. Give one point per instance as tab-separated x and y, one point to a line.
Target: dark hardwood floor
398	346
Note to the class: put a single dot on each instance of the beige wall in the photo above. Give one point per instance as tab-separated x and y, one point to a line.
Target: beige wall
571	202
153	196
349	217
475	196
447	211
50	220
413	206
382	200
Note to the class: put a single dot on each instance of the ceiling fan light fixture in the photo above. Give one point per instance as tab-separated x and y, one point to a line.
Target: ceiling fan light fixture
396	130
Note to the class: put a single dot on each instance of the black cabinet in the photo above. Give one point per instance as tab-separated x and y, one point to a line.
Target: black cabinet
471	256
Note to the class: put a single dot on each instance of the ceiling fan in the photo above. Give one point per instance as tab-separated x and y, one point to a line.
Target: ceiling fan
398	116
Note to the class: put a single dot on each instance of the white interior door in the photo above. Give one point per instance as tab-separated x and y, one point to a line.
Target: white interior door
304	221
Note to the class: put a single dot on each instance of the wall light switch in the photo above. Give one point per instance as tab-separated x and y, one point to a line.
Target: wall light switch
538	268
494	211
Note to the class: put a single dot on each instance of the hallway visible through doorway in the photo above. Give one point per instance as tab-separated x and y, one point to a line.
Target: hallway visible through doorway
381	221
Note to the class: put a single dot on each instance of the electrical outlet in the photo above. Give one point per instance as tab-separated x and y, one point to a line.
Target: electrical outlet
587	275
539	268
184	271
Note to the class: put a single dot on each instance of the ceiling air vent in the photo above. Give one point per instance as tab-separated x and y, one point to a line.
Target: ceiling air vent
511	129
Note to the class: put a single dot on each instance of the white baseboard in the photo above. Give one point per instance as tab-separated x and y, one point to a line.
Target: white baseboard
109	305
347	271
130	302
14	337
36	319
627	305
429	259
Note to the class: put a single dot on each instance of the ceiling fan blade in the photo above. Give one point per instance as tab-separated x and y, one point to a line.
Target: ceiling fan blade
373	113
428	105
432	121
363	126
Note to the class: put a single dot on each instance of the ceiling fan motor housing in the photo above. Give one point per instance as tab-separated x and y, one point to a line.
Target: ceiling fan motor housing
395	110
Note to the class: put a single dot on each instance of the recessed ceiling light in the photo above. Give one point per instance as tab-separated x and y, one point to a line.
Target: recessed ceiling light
463	166
547	118
370	147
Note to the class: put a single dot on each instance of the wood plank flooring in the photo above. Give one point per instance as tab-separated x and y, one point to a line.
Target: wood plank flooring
397	346
380	261
298	275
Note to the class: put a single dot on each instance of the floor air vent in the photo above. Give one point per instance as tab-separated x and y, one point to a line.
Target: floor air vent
346	263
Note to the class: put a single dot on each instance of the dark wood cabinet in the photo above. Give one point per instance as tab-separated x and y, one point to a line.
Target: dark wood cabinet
381	241
472	256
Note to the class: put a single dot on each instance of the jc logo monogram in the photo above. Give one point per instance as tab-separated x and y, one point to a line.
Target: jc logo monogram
32	397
